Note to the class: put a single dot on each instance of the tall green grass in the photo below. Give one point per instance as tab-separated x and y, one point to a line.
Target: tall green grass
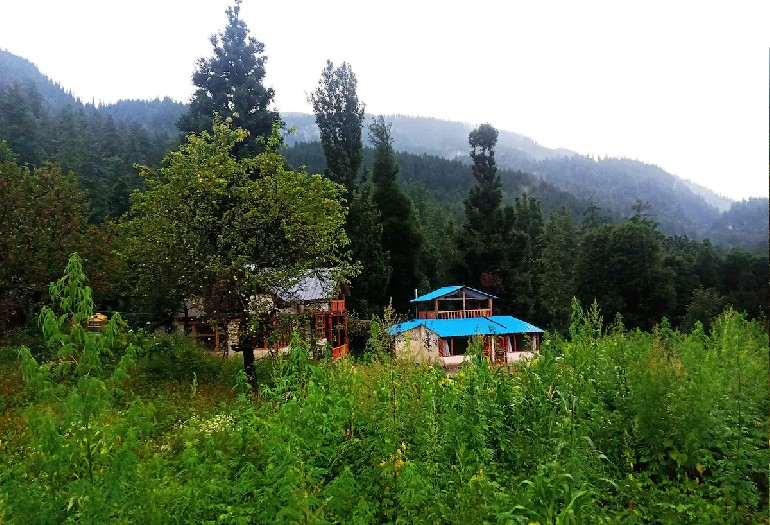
609	426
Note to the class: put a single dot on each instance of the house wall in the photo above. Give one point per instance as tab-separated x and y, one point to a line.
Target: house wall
418	344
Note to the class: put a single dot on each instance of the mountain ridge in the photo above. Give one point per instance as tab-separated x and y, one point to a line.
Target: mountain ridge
681	207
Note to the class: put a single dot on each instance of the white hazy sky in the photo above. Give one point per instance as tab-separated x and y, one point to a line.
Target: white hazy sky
683	85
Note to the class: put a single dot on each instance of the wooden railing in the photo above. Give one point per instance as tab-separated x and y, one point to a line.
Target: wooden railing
337	305
454	314
339	351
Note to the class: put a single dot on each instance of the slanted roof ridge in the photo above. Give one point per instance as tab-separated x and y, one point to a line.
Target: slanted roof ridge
446	290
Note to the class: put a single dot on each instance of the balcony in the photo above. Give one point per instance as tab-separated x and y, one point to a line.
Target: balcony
454	314
337	305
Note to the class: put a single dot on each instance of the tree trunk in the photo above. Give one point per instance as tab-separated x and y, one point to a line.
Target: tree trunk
248	365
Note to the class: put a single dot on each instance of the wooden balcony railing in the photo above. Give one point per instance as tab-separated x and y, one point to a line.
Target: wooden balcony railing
339	351
454	314
337	305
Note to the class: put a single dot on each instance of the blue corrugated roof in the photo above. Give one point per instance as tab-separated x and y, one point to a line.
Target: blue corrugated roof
446	290
493	325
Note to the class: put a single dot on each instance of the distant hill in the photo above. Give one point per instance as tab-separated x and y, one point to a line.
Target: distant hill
156	116
737	227
615	184
447	180
434	158
432	136
17	70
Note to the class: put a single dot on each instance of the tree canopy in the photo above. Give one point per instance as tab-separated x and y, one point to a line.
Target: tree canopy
214	226
230	84
401	232
340	117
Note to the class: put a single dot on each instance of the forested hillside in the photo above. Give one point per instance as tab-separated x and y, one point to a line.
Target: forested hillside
555	202
614	184
40	122
645	401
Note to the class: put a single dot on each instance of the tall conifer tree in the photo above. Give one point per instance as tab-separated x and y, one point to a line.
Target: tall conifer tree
230	83
339	115
401	235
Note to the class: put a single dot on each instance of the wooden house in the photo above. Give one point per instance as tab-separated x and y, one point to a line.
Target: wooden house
445	321
320	301
314	305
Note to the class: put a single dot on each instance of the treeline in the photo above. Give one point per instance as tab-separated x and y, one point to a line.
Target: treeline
411	222
82	140
581	250
680	207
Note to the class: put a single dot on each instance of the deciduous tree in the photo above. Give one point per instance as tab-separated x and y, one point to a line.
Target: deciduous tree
221	228
339	115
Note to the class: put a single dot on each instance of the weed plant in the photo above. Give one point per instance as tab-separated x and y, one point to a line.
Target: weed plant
609	426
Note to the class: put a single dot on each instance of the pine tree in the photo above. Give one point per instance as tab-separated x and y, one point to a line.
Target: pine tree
484	236
230	83
401	235
556	263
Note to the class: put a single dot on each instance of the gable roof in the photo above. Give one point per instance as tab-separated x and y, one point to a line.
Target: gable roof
447	290
492	325
318	285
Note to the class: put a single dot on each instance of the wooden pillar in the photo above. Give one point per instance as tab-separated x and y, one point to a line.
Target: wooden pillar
451	346
489	301
347	340
435	303
216	338
515	349
463	301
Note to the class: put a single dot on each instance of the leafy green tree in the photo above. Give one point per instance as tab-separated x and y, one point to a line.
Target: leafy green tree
401	235
621	267
43	218
524	247
705	306
744	278
230	84
208	212
220	228
340	117
364	227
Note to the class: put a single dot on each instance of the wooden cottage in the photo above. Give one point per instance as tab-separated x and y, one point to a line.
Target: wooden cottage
445	321
314	305
318	298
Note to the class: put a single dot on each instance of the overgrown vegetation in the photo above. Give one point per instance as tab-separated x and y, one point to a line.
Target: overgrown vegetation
608	426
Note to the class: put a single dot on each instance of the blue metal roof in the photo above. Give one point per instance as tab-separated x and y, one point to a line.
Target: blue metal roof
493	325
446	290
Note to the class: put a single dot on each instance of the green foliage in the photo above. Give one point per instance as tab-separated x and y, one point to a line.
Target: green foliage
610	426
221	228
621	266
43	218
401	233
557	282
230	84
339	116
364	227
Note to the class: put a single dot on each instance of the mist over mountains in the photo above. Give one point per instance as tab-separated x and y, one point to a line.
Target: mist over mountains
433	157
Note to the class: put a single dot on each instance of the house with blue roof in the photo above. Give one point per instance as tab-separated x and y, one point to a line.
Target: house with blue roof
445	321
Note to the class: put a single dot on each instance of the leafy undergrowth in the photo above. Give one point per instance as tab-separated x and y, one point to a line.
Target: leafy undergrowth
610	426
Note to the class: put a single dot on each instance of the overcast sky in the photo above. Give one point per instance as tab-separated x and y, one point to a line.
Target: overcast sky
683	85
